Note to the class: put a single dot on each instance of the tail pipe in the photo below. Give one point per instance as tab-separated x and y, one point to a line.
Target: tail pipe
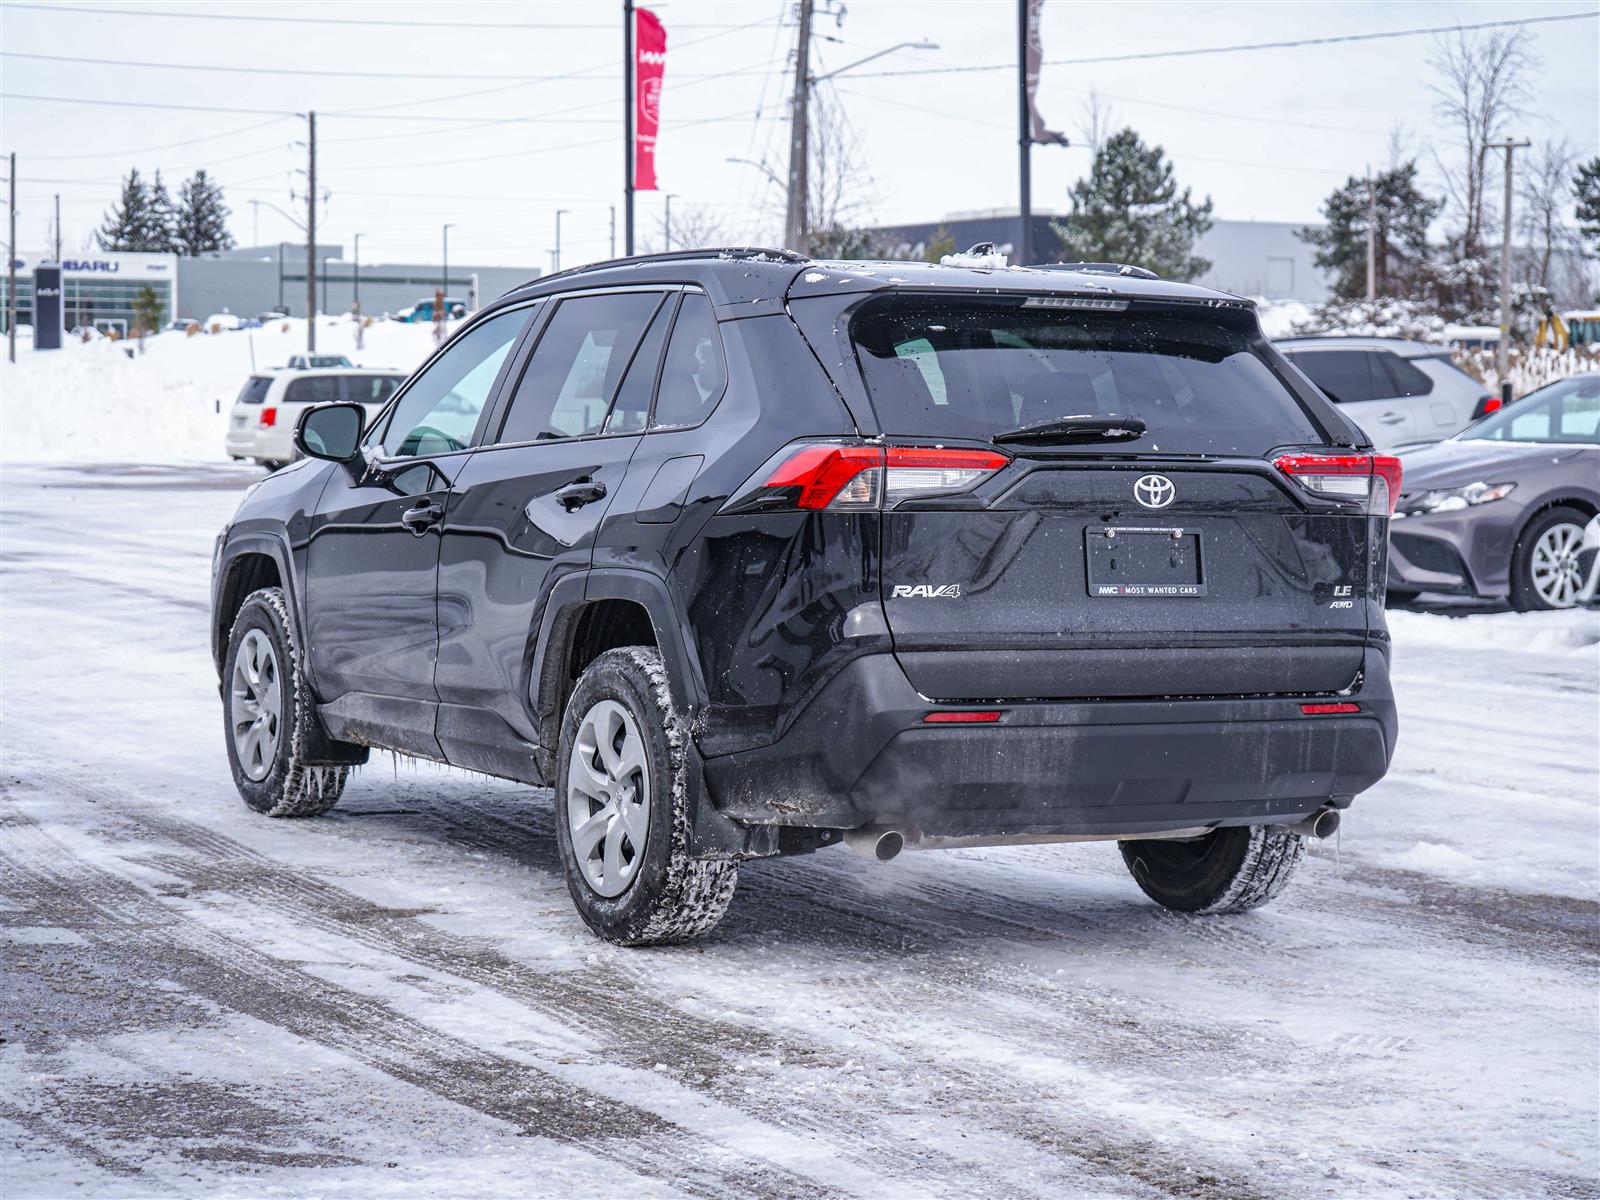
877	843
1323	824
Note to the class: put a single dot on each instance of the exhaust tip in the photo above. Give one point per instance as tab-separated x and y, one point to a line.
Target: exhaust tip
1325	823
876	843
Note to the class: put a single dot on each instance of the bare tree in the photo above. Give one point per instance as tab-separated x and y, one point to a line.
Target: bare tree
1544	198
841	187
1097	120
694	226
1482	85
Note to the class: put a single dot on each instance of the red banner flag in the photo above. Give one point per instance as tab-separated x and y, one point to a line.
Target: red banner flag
649	65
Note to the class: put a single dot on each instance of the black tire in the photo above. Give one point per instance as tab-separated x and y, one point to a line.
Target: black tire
671	896
1525	596
1228	870
290	787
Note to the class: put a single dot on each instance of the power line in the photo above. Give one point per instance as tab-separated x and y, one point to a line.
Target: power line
1201	50
450	26
297	71
194	141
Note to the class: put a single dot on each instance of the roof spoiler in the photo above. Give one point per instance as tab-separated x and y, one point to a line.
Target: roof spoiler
1098	268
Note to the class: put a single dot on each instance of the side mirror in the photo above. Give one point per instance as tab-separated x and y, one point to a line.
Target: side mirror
331	431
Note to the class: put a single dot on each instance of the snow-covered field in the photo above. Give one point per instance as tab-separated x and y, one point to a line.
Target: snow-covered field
96	401
397	999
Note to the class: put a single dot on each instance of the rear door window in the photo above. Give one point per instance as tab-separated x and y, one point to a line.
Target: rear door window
971	369
1345	376
694	375
370	389
566	388
315	389
1404	378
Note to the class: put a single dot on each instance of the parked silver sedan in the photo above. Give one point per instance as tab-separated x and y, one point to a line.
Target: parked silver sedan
1498	511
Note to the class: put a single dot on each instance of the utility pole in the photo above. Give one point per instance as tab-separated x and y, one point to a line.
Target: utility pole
613	231
1024	139
255	222
311	233
11	267
1372	242
357	278
281	307
325	262
667	225
445	284
627	127
1502	355
58	228
555	261
794	226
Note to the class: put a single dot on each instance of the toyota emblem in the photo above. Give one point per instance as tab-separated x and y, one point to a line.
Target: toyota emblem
1154	491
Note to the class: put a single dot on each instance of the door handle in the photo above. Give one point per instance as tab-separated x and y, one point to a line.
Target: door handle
1392	419
580	492
421	518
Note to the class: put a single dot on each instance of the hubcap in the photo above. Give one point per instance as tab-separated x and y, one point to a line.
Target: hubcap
1555	565
608	798
256	707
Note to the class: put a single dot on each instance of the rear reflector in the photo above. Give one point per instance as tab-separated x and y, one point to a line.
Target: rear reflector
1374	478
1323	710
985	717
843	475
269	417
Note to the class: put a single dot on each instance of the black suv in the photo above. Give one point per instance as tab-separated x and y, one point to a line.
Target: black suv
746	554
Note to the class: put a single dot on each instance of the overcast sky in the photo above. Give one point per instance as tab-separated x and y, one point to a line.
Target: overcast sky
1265	133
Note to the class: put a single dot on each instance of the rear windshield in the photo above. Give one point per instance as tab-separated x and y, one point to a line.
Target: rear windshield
255	389
969	369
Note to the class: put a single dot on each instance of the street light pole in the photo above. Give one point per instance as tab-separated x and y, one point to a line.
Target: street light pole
667	224
357	280
445	294
555	262
1024	138
326	259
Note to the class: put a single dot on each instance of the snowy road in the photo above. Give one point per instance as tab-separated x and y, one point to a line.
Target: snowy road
398	1000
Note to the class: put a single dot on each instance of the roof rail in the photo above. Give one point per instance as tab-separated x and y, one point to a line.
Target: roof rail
746	252
1099	268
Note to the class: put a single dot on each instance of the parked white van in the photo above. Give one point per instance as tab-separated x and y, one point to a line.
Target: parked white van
262	424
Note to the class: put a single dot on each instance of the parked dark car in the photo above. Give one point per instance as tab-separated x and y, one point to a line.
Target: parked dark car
748	555
1497	512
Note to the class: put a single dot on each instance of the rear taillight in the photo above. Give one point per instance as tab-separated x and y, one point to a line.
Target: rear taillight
1487	405
851	475
1374	478
269	418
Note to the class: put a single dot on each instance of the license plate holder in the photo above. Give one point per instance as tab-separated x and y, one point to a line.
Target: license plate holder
1143	562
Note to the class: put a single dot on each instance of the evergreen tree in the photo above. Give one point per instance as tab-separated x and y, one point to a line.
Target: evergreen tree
1587	186
147	312
128	222
1129	210
159	236
1403	215
202	218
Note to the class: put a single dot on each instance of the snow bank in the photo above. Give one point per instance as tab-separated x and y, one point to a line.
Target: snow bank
92	401
1559	633
1279	317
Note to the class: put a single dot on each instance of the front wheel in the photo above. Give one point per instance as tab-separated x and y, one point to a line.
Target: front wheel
623	811
1227	870
267	707
1544	566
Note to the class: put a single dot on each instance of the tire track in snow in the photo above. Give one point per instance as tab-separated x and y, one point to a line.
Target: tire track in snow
122	920
644	1029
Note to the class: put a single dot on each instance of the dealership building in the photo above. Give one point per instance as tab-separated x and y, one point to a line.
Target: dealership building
98	288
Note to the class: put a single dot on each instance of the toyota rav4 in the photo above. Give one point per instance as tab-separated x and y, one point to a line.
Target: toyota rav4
745	554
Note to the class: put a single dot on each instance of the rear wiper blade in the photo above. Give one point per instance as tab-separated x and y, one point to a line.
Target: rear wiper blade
1086	428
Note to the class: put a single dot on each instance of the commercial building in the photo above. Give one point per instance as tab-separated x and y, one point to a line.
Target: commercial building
1248	258
98	289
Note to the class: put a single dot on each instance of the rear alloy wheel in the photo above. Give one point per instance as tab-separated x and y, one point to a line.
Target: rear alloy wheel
623	808
1545	572
1227	870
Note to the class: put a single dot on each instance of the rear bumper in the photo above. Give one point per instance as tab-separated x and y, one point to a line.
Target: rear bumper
860	753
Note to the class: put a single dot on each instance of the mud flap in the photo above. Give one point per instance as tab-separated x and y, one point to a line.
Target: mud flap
715	836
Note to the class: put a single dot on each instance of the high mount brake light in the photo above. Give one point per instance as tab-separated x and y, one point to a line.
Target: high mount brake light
837	475
1374	478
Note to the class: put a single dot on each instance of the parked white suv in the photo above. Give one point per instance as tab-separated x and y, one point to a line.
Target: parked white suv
1398	391
269	405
